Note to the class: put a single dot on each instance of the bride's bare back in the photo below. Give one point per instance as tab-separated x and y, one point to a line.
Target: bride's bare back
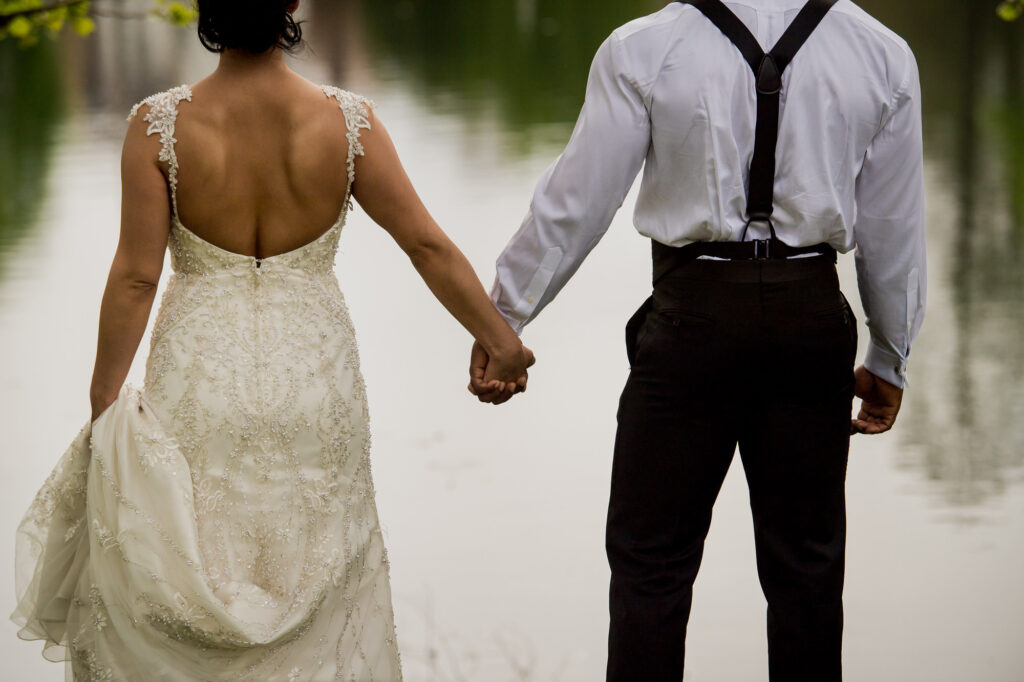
262	161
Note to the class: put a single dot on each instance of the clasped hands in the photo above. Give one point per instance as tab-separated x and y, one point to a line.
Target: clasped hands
496	377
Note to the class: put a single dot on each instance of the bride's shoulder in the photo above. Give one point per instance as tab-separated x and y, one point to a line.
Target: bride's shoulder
356	107
343	95
160	105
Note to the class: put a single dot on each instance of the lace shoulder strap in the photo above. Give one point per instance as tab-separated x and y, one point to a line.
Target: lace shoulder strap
162	115
356	109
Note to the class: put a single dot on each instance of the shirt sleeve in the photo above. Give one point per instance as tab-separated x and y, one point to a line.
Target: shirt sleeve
579	194
890	234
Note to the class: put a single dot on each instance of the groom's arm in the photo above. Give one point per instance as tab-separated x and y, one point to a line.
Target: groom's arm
578	195
890	233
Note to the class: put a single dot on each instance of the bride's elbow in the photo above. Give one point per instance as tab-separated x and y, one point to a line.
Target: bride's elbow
426	252
133	281
135	274
142	286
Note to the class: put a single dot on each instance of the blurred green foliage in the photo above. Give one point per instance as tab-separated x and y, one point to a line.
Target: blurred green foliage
1011	10
26	20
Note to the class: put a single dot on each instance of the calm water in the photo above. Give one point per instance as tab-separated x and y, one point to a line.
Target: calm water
494	516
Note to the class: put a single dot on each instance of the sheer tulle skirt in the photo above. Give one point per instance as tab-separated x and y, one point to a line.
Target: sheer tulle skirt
110	575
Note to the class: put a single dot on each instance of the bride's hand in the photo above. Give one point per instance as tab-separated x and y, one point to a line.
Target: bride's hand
496	378
101	398
99	407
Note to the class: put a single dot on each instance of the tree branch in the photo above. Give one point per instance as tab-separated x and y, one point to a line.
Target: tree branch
117	14
95	10
7	17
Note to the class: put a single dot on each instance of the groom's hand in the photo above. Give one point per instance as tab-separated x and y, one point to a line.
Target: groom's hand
880	403
485	372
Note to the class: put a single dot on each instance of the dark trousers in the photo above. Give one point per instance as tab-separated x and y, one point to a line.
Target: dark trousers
754	353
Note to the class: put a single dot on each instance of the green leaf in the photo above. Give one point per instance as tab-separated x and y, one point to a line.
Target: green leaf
181	15
20	27
1011	10
54	19
83	26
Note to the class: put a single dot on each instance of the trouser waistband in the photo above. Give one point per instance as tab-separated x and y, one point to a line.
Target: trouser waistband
751	271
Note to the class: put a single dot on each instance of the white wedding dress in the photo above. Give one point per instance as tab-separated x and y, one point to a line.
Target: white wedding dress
220	523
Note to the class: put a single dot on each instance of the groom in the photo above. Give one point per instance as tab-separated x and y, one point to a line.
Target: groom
758	169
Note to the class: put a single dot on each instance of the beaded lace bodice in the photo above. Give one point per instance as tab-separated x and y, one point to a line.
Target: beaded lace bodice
230	529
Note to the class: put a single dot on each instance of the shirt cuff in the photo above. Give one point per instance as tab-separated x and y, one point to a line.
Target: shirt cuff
516	323
885	364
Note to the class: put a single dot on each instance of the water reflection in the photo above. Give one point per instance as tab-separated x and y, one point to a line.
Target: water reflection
966	401
524	62
33	105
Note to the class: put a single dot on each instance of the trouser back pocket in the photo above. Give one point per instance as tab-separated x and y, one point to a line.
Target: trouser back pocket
633	328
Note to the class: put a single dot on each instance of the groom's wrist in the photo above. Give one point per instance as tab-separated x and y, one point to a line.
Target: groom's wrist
517	323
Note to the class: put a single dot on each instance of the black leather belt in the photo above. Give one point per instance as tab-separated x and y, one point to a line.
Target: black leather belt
668	258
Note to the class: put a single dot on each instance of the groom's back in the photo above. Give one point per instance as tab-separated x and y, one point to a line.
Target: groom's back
846	81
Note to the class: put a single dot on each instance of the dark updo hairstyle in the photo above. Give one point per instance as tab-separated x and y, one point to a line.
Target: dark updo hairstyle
251	25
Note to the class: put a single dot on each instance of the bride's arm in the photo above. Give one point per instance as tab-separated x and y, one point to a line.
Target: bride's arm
385	192
138	262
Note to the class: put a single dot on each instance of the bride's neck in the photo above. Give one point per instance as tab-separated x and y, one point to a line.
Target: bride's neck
239	63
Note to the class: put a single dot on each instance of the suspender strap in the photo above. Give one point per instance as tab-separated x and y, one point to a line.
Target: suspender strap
767	70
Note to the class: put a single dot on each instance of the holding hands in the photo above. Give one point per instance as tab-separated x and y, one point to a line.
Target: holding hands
496	377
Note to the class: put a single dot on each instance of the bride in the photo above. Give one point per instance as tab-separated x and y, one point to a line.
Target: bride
219	522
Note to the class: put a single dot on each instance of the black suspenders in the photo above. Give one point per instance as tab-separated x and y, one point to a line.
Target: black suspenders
767	68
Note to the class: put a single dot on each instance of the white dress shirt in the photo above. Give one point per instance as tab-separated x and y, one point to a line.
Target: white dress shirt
671	90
